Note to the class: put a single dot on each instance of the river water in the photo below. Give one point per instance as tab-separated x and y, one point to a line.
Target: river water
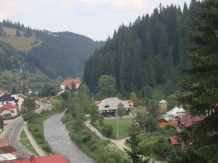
60	142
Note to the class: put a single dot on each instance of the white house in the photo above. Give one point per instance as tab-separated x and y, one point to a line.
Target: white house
8	109
176	112
108	106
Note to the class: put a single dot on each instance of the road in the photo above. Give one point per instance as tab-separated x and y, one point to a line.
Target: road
12	134
13	129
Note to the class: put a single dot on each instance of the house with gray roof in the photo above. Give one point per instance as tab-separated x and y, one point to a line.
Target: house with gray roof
108	106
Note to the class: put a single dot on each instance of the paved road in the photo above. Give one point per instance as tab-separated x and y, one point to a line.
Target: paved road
12	133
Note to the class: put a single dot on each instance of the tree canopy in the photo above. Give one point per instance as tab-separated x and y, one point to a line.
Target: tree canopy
200	83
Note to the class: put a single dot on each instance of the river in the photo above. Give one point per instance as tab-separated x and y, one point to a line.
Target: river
60	142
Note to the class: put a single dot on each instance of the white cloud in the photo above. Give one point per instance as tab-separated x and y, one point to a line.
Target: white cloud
130	4
8	4
47	2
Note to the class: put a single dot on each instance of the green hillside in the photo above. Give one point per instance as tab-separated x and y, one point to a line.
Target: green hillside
147	53
54	54
20	43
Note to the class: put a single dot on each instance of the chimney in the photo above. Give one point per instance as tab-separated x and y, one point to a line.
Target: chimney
32	157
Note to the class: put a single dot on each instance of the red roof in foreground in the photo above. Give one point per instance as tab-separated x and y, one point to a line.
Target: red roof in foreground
56	158
173	140
188	120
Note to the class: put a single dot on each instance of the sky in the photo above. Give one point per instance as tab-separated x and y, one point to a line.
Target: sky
96	19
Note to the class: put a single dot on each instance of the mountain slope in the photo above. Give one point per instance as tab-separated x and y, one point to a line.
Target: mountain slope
145	53
55	54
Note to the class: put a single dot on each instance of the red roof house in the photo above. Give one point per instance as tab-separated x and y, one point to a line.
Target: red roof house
162	122
69	82
188	120
8	108
175	143
130	102
56	158
98	102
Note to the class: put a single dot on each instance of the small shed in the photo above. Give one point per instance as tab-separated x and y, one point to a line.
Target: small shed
162	122
163	104
175	143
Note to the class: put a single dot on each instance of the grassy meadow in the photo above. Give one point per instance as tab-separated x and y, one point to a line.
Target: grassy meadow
21	43
123	125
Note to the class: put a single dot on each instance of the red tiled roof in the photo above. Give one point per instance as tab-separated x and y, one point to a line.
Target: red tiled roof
68	82
8	106
173	140
129	101
162	121
98	102
56	158
188	120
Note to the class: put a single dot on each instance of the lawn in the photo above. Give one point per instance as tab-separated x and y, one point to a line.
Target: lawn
123	124
147	139
24	141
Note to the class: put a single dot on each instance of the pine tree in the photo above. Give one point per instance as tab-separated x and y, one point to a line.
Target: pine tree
18	33
202	86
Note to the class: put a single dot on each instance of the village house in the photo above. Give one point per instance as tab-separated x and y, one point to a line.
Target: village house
108	106
130	102
175	114
9	98
162	104
68	83
9	110
162	122
175	143
185	121
188	120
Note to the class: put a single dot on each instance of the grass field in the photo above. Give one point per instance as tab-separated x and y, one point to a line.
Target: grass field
123	124
147	139
24	141
21	43
7	77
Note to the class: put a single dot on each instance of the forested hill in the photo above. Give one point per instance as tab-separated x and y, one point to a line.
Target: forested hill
54	53
144	53
62	54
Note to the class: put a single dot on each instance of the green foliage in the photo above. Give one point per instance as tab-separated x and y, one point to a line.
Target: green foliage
18	33
152	109
48	90
145	53
200	83
150	125
121	110
163	149
106	86
27	109
58	103
94	113
133	96
136	153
